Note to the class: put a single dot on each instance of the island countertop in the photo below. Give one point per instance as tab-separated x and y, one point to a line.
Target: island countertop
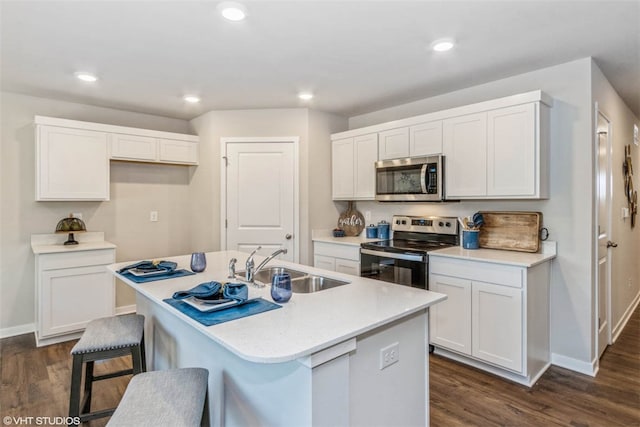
304	325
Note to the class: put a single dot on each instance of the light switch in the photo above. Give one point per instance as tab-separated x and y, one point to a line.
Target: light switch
153	216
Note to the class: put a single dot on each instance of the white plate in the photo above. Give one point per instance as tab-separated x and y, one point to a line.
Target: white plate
147	273
205	306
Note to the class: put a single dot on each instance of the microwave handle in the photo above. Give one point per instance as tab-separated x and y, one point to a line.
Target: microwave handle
423	178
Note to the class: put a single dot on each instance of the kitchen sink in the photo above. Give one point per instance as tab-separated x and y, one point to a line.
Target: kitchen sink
301	283
266	275
311	283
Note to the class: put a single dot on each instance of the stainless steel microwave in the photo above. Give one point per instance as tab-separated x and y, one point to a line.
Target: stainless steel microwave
410	180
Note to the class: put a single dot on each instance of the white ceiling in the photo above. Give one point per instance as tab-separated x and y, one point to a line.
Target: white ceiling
356	56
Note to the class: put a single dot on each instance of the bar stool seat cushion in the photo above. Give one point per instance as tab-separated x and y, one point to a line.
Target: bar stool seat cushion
173	397
111	333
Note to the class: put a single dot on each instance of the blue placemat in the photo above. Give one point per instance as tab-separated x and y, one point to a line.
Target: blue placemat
248	308
171	275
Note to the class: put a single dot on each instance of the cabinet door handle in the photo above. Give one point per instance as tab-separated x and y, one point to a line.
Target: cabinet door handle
611	244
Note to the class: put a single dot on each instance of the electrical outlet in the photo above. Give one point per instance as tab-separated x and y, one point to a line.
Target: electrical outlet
629	283
367	216
389	355
77	215
153	216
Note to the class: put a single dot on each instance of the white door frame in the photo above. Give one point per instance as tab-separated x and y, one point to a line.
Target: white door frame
296	185
609	224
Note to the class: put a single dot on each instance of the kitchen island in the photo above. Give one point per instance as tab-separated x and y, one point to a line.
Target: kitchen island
315	361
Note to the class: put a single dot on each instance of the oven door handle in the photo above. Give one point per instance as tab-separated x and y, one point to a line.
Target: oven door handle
405	257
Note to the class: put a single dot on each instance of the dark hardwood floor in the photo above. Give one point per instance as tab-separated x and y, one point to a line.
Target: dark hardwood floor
465	396
35	383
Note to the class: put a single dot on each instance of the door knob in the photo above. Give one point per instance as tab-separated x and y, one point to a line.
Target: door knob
288	236
611	244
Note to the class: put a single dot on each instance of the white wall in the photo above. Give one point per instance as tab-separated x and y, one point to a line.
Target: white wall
625	268
568	212
135	190
313	129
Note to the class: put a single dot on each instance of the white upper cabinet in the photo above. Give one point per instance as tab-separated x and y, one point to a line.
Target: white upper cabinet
71	164
342	159
497	149
175	151
366	156
498	154
425	139
393	144
512	158
465	148
134	147
72	157
353	167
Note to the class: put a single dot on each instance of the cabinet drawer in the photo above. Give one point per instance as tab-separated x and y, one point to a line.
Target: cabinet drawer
324	262
76	259
506	275
347	266
337	250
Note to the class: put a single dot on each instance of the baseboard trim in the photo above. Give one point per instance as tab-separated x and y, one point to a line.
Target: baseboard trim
587	368
17	330
528	381
125	309
625	318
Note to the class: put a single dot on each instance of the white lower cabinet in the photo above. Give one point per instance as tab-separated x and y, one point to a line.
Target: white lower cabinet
496	325
337	257
496	317
72	288
451	319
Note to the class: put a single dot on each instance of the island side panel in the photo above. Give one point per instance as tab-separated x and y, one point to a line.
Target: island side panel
397	394
240	392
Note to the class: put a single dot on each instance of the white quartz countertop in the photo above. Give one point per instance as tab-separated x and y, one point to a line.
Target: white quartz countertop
327	236
521	259
54	243
304	325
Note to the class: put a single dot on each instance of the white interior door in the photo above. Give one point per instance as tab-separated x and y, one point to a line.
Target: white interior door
261	196
603	189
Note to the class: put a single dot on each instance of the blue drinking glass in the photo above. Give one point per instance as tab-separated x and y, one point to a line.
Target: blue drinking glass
281	287
198	262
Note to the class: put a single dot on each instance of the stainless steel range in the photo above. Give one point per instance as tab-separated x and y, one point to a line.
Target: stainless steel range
403	259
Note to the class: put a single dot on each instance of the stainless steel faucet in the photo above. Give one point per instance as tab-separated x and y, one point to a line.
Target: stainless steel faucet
251	271
249	265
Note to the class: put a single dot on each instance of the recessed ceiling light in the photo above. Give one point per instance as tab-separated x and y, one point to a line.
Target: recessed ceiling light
191	99
86	77
305	96
442	45
232	11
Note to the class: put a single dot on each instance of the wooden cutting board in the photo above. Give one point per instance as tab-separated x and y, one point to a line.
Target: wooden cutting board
511	231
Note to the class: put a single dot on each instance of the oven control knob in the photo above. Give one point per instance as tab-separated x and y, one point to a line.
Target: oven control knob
440	223
448	224
404	222
398	221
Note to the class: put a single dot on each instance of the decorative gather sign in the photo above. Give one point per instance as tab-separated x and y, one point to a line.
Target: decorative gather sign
351	221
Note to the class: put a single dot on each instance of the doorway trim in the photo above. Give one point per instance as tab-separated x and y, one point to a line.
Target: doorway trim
596	231
295	140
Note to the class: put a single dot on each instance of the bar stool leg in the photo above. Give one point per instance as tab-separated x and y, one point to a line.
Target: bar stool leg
144	356
76	382
88	387
136	358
